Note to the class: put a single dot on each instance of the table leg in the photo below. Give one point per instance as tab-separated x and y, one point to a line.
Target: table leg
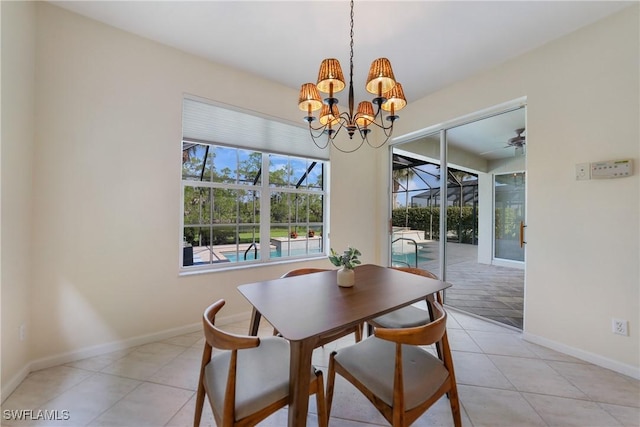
255	322
299	378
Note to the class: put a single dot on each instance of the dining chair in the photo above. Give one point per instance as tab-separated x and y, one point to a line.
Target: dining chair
250	380
357	330
408	316
400	378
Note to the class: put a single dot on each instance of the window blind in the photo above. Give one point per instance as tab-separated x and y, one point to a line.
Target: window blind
205	122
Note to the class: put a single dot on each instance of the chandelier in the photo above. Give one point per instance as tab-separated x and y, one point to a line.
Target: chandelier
381	82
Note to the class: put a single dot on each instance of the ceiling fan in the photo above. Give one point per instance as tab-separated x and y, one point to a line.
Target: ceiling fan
518	142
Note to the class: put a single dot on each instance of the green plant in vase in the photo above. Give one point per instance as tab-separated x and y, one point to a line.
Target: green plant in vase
347	260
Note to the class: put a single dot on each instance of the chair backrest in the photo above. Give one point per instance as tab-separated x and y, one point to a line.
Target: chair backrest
301	271
418	271
220	339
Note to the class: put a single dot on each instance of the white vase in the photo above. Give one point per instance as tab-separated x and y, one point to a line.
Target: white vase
346	277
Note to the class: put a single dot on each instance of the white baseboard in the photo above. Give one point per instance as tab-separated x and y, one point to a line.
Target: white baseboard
13	383
596	359
96	350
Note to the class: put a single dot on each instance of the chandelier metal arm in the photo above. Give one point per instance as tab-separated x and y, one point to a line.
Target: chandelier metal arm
343	150
317	132
315	139
364	133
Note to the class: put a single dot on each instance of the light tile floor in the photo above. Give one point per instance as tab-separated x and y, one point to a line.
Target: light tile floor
502	381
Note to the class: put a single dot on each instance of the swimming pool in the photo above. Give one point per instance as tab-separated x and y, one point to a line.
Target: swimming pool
409	259
232	256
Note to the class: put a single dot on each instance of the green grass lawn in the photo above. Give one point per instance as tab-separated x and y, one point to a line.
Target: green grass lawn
275	232
226	235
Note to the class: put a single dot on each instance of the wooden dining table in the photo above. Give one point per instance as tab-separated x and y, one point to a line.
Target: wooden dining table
309	308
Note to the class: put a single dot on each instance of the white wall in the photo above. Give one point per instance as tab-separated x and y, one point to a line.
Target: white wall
18	109
583	236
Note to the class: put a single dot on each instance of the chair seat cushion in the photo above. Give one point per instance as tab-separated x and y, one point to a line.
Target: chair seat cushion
372	361
262	376
405	317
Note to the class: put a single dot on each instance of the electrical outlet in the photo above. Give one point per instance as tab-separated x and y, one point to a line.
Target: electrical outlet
619	326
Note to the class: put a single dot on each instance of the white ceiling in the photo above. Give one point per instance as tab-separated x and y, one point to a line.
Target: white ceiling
488	137
431	44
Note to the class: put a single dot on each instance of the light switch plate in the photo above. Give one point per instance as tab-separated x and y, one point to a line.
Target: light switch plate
583	171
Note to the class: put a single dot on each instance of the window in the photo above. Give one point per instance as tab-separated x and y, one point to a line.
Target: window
234	213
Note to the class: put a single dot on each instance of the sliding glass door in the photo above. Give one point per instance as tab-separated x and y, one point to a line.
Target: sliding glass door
457	210
415	202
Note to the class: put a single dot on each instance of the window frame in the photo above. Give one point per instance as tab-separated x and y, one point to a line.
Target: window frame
265	190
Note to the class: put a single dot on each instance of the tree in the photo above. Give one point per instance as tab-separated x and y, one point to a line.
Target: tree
400	176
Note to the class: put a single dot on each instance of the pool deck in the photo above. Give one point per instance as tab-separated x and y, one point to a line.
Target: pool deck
490	291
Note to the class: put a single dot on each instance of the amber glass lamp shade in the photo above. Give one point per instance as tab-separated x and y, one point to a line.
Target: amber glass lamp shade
330	74
365	114
395	99
381	77
327	116
309	99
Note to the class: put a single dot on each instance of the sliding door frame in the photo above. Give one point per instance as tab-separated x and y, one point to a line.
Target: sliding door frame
442	129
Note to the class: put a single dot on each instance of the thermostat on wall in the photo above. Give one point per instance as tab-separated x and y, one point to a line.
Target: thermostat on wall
612	169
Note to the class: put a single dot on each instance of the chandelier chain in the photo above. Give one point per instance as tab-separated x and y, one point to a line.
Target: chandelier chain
351	46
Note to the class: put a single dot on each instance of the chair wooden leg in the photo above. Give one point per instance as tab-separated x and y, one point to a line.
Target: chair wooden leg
331	377
199	404
455	406
323	420
206	357
369	329
359	329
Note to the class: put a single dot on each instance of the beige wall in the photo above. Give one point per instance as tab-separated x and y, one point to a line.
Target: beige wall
106	193
18	110
583	236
